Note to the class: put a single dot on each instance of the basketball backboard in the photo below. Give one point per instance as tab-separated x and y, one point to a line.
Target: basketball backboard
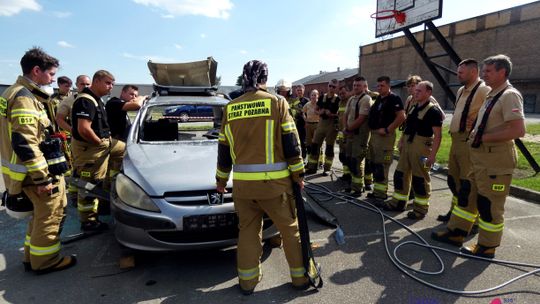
416	13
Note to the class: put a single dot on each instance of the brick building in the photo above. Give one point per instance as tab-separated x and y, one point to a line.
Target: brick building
514	32
320	81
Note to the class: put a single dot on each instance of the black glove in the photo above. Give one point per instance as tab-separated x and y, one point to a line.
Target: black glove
52	150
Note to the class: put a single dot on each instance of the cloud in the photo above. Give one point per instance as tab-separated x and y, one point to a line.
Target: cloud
13	7
58	14
208	8
168	16
147	57
65	44
178	46
203	35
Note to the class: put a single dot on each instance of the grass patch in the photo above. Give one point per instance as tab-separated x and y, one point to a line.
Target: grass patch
523	175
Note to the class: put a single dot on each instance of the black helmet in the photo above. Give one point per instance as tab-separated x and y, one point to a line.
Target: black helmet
255	72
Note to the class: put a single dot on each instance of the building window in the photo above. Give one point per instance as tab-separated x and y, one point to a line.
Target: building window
529	103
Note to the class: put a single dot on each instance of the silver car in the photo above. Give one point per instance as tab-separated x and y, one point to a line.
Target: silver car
165	198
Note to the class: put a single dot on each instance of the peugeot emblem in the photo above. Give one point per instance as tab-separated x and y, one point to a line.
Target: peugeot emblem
215	198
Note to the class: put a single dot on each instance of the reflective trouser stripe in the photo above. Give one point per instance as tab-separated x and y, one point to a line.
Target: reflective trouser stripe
346	170
454	200
400	197
328	161
380	187
298	272
356	180
421	201
221	137
113	173
464	214
248	274
37	250
93	206
490	227
27	240
260	175
18	176
221	174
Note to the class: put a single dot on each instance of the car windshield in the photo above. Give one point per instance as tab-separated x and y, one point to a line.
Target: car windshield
181	122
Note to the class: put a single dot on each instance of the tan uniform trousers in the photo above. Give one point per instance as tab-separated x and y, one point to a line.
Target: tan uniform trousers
356	150
282	212
411	171
491	176
381	149
95	163
310	132
42	243
326	131
459	166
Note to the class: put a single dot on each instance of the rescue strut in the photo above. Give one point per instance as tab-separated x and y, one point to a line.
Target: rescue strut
313	270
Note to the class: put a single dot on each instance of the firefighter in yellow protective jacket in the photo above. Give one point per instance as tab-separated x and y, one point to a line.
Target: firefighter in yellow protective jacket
493	160
258	142
27	171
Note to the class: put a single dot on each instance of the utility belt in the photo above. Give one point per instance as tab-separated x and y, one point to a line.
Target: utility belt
495	148
421	140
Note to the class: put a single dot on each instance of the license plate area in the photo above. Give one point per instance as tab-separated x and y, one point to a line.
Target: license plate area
210	222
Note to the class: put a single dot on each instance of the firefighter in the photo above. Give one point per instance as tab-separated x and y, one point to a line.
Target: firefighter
259	143
96	156
418	148
26	169
470	97
385	116
327	129
493	159
357	134
64	91
117	109
299	102
63	114
340	139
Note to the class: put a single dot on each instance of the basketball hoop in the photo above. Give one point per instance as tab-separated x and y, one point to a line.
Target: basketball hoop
399	16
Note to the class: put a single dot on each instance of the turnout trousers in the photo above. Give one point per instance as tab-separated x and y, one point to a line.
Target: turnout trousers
459	166
491	175
282	211
356	151
42	242
94	164
326	131
412	172
310	132
381	149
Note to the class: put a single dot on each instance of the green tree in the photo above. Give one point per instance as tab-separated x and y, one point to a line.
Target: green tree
240	80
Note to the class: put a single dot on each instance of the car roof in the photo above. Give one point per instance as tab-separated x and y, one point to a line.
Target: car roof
183	99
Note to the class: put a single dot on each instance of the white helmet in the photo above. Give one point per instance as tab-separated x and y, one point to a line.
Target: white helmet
283	84
17	206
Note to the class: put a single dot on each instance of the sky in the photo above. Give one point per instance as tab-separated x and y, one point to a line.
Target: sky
295	38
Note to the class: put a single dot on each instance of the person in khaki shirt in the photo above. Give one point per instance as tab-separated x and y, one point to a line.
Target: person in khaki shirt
357	133
493	160
63	112
311	116
470	97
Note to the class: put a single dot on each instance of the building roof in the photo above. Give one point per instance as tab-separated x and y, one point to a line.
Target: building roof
327	76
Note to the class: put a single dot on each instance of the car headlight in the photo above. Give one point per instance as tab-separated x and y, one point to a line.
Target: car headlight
131	194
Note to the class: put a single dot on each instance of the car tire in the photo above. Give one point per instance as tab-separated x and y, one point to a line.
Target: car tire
184	117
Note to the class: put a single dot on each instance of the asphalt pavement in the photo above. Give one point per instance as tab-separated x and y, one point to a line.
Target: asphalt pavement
358	271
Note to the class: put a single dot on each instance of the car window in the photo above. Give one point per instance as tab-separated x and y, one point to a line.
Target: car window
181	122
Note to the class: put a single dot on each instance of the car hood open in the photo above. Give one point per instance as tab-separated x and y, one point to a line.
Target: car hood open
160	168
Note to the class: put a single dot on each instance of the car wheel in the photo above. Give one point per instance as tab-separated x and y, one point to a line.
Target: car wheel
184	117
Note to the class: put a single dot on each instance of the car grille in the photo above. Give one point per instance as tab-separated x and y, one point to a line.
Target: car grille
193	198
214	235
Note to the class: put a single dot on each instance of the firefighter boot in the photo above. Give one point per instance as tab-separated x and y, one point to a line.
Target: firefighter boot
448	236
479	251
64	263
